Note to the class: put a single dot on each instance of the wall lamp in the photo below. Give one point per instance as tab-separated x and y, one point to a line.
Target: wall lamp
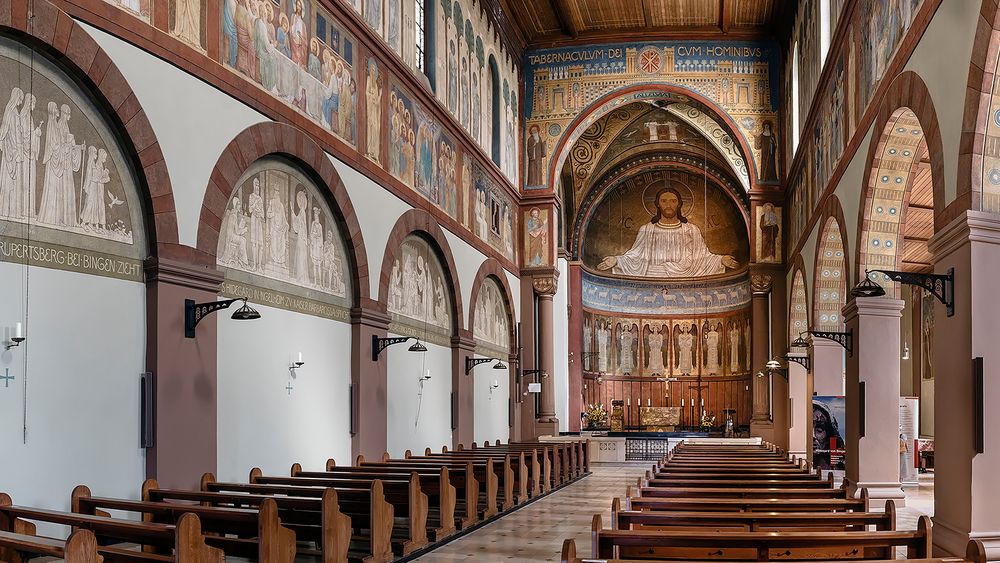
941	286
540	372
473	362
379	344
195	312
845	339
799	342
18	337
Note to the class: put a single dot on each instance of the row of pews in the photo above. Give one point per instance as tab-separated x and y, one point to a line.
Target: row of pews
371	512
749	503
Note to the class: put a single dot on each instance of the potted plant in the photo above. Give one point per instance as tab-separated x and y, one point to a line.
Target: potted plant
596	416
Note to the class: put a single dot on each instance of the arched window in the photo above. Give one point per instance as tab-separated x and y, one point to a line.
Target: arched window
795	97
493	92
825	30
424	19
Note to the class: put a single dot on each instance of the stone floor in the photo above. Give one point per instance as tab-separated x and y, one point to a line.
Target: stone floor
536	532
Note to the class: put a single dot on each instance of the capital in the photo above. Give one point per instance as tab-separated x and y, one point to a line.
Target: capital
545	285
760	284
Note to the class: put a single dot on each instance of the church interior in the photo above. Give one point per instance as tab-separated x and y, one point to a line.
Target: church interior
675	278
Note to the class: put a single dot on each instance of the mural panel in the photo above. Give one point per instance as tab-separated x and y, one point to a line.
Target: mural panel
280	242
886	23
419	301
536	238
492	324
741	77
494	214
296	51
666	225
186	22
768	237
65	184
402	136
374	86
142	9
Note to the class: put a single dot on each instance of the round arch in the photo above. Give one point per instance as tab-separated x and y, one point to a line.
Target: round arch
830	271
491	268
70	47
423	224
602	106
798	302
906	118
279	139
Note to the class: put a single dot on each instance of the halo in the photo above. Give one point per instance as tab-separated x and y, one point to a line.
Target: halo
649	192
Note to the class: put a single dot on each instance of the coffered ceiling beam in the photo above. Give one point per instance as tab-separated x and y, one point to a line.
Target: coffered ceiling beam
568	14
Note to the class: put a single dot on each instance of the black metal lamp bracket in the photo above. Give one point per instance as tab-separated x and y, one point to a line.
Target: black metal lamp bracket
845	339
379	344
195	312
941	286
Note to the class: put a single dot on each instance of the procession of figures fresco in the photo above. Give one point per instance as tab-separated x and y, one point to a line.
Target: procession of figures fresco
64	181
491	327
654	225
186	17
670	298
885	23
740	77
493	217
643	346
419	296
295	50
278	234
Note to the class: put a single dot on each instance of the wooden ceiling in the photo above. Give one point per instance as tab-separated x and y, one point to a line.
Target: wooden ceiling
548	23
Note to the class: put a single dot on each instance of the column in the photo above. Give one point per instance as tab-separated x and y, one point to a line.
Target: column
575	336
760	422
185	369
966	486
544	289
369	381
873	459
463	386
799	405
828	367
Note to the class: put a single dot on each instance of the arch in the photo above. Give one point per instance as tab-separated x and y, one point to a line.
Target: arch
798	302
978	182
423	224
279	139
829	277
491	268
906	122
494	94
53	32
646	92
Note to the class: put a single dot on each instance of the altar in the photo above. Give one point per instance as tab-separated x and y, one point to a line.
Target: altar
659	419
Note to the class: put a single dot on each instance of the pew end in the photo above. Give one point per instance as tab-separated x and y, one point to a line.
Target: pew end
190	546
386	457
616	507
360	460
331	464
427	452
206	480
81	547
890	509
255	474
277	542
79	492
295	470
19	526
596	527
975	552
865	499
336	529
926	546
407	454
569	552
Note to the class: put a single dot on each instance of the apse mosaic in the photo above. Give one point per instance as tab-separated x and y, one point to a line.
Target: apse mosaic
280	246
295	51
67	199
740	77
491	328
644	346
419	297
665	225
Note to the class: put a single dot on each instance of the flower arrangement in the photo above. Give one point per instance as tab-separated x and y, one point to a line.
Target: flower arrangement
707	420
596	415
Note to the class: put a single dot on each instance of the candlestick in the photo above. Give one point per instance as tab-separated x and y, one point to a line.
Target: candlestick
628	401
703	402
18	331
649	402
682	402
300	357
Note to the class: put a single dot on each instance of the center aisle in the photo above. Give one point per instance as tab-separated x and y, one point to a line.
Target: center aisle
536	532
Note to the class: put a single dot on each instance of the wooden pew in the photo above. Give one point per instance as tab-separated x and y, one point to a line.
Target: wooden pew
746	505
758	546
707	522
664	481
267	540
705	475
974	553
313	519
185	538
80	547
406	496
436	484
738	492
495	473
514	479
371	516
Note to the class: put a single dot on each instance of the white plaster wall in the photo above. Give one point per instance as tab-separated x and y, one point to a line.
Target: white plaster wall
85	349
193	123
942	61
418	419
261	424
560	347
491	414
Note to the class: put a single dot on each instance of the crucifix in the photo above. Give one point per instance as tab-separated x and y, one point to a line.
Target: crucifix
6	377
695	418
289	387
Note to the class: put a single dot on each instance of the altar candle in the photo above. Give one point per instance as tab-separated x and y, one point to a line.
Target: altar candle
628	401
703	402
682	401
649	402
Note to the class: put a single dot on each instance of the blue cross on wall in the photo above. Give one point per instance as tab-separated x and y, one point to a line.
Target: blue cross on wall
6	377
288	387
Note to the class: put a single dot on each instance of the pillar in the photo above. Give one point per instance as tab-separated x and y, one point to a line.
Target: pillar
760	423
185	369
873	459
463	387
575	336
828	367
799	405
545	289
369	381
966	485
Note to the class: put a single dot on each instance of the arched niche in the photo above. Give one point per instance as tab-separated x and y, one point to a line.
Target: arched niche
830	283
419	301
798	307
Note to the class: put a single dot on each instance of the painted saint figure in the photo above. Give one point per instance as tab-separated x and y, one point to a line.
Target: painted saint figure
712	351
685	354
11	155
767	144
62	159
538	234
603	339
300	228
187	21
654	364
626	363
734	350
277	232
235	252
96	177
668	246
255	205
769	225
373	93
536	153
